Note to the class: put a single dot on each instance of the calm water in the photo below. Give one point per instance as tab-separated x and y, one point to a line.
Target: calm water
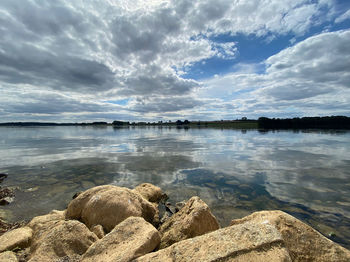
306	174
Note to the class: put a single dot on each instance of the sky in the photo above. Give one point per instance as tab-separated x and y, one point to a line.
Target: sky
160	60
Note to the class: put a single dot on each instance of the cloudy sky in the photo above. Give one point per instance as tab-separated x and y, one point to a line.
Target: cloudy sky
94	60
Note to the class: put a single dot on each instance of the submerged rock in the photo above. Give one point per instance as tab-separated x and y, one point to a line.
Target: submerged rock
6	196
194	219
130	239
302	241
244	242
64	239
108	206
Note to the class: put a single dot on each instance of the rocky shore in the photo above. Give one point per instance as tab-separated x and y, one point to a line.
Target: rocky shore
111	223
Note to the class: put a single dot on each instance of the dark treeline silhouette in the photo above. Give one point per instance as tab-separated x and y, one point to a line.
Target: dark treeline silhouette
327	122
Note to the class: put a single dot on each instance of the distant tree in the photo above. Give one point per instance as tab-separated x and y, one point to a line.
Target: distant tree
179	122
186	122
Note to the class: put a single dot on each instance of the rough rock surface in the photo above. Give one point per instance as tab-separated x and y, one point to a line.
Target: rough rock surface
243	242
38	222
43	224
17	238
130	239
108	206
8	256
302	241
194	219
150	192
98	230
65	239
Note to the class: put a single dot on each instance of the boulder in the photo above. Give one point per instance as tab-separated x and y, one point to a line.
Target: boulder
16	238
194	219
130	239
302	241
243	242
108	206
8	256
150	192
37	222
42	224
65	239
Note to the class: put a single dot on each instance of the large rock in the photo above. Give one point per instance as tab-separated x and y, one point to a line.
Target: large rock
243	242
65	239
43	224
194	219
16	238
108	206
303	242
150	192
8	256
130	239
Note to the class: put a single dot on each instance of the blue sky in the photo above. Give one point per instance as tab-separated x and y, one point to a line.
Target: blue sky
106	60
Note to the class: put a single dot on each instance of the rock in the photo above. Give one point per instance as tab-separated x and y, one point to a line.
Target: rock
98	230
179	205
3	176
16	238
6	200
42	224
303	242
130	239
150	192
65	239
108	206
6	196
243	242
194	219
8	256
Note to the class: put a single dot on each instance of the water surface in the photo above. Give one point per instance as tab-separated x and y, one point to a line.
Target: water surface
236	172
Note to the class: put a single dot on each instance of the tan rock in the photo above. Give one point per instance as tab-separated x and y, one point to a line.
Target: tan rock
130	239
98	230
243	242
16	238
108	206
150	192
43	224
303	242
65	239
39	220
194	219
8	256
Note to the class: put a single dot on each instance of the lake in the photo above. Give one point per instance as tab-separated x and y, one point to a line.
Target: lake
236	172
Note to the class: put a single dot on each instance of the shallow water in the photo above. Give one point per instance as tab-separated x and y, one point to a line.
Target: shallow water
236	172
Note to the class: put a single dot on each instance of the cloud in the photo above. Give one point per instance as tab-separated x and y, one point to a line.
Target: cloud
83	54
311	77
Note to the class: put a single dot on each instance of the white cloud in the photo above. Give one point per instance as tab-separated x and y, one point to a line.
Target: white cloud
310	78
91	51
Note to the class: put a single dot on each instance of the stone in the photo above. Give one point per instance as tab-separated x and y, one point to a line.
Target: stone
43	224
303	242
16	238
243	242
150	192
108	206
130	239
194	219
65	239
38	221
179	205
98	230
8	256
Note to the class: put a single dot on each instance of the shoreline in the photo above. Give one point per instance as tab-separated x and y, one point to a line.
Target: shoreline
151	229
